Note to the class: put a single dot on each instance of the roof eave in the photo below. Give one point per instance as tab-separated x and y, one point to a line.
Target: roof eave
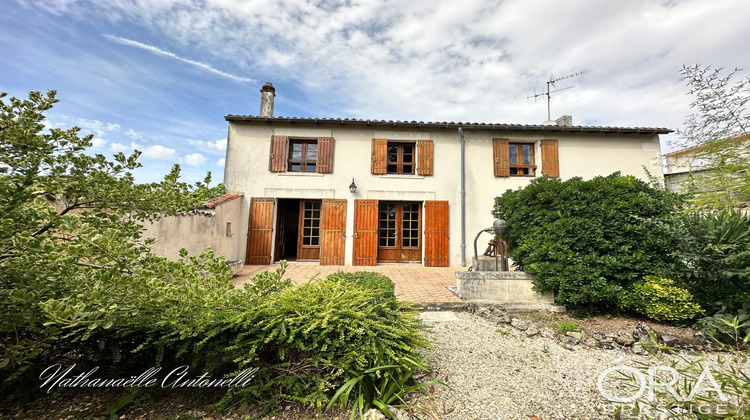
448	125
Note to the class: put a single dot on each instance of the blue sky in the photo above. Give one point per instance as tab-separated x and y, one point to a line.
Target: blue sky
159	75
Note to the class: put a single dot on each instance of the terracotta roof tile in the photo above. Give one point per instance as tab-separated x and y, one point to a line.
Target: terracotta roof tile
452	124
213	202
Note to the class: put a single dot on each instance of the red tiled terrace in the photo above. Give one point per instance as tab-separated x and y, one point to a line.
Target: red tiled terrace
414	283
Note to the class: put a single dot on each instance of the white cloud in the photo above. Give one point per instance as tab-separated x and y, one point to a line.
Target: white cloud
218	145
154	151
195	159
474	60
164	53
118	147
220	162
133	134
159	152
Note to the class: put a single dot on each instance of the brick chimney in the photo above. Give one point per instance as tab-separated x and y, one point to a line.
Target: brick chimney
267	93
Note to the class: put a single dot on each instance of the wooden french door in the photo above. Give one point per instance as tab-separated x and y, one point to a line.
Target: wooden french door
399	232
308	241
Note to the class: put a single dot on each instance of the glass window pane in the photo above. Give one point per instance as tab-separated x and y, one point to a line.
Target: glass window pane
314	241
513	153
407	169
526	154
295	167
408	148
310	167
392	169
407	158
296	150
514	171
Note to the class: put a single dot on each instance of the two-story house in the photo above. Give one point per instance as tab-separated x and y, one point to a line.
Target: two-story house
365	192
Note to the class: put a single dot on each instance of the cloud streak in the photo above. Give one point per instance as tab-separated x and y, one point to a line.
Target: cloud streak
159	51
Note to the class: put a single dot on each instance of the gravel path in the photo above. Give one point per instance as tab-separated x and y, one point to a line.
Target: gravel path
496	372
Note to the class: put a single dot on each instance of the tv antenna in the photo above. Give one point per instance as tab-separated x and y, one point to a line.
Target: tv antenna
551	82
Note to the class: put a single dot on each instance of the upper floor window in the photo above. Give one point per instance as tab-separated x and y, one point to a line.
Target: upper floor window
517	159
400	158
521	159
303	155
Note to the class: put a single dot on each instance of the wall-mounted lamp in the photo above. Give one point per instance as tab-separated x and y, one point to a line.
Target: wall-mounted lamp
352	187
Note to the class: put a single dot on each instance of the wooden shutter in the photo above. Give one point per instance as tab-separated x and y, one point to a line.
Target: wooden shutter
424	157
501	157
550	158
365	232
277	162
260	231
436	228
379	156
332	232
325	155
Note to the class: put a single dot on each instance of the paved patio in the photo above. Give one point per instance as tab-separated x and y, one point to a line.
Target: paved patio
413	282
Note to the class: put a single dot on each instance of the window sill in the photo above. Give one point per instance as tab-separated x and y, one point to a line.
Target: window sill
401	176
300	174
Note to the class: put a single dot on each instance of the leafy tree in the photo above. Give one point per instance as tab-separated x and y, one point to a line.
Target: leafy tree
720	127
68	226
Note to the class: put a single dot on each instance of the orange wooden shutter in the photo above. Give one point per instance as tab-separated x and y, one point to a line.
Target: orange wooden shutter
277	162
550	158
325	155
379	156
501	157
332	232
260	231
436	228
424	157
365	232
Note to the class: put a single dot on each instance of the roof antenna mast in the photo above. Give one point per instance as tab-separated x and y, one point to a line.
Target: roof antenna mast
551	82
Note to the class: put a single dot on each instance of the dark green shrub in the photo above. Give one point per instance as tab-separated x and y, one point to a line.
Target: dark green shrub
378	283
661	299
588	240
716	251
728	328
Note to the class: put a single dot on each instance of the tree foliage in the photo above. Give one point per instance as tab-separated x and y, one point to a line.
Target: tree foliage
720	128
78	283
69	222
589	240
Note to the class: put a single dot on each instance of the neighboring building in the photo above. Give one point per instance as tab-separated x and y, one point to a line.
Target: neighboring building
694	161
295	176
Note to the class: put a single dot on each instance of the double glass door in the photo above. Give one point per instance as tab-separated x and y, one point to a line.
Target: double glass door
399	232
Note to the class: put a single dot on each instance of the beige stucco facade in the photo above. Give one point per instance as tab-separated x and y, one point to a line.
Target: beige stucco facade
582	152
195	231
